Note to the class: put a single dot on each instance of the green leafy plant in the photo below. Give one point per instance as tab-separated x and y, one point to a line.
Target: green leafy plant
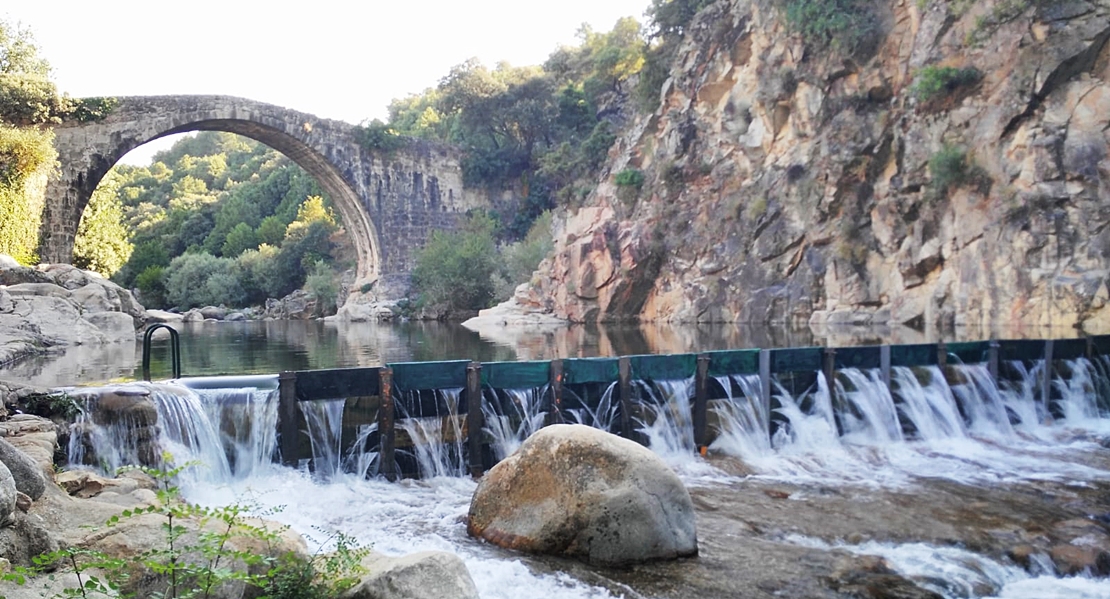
951	167
840	25
933	81
379	136
628	182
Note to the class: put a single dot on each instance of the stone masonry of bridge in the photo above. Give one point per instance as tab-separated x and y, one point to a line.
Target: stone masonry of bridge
389	202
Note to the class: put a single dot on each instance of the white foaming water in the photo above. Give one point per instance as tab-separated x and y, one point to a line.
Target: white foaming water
324	421
396	518
959	574
511	421
748	425
931	409
604	417
870	417
437	441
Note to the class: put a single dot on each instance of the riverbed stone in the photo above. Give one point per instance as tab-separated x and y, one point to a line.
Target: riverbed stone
27	474
581	492
7	496
1072	560
424	575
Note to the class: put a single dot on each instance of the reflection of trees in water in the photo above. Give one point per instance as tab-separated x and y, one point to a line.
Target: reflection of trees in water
261	347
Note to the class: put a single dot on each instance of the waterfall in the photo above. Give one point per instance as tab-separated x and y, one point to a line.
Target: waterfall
667	422
512	420
603	417
246	422
869	416
930	409
324	423
437	440
743	422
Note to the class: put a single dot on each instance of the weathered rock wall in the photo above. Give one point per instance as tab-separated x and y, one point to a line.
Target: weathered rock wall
785	184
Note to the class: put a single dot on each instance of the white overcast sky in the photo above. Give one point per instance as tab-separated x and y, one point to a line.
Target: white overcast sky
337	59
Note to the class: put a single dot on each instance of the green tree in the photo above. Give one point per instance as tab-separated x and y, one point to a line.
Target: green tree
323	285
102	243
454	271
26	157
239	239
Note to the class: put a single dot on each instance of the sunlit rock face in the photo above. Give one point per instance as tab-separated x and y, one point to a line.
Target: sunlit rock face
784	183
58	305
581	492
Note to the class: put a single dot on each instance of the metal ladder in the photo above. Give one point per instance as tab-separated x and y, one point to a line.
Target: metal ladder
175	349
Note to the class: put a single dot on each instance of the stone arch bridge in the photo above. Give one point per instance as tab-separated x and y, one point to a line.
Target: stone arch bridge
390	202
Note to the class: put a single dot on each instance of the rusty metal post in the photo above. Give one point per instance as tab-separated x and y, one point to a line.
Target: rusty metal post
474	418
884	364
828	366
624	386
555	408
701	404
287	417
992	360
387	465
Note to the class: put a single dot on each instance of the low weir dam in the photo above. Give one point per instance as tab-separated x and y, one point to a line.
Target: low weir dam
802	453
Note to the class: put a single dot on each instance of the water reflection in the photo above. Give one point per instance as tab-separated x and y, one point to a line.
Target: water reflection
260	347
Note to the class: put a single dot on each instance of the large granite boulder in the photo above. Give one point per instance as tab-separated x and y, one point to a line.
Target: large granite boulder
578	491
7	496
424	575
27	474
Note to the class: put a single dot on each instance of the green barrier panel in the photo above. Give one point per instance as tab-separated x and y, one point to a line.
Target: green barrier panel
663	367
740	361
1101	344
589	370
968	352
802	359
516	375
864	358
337	383
411	376
1021	349
920	354
1069	349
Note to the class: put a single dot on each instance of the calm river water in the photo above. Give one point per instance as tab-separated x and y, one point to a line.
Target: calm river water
260	347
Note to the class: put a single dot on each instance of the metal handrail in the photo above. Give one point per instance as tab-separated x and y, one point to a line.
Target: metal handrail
175	349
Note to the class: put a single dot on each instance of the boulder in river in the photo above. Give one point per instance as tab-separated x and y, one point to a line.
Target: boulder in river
581	492
424	575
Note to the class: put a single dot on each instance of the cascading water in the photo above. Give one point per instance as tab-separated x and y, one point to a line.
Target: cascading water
743	422
860	434
324	424
603	417
667	422
437	440
869	416
929	409
511	416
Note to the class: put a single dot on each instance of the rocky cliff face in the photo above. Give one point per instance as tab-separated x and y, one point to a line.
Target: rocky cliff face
786	184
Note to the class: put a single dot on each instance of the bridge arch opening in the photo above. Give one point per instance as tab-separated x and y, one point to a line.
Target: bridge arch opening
57	244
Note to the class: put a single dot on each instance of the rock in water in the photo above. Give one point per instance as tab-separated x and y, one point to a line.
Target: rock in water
424	575
578	491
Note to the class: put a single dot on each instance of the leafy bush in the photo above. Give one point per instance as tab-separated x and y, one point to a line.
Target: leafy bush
323	286
152	290
522	258
455	270
840	25
24	154
379	136
933	81
629	177
951	167
202	279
